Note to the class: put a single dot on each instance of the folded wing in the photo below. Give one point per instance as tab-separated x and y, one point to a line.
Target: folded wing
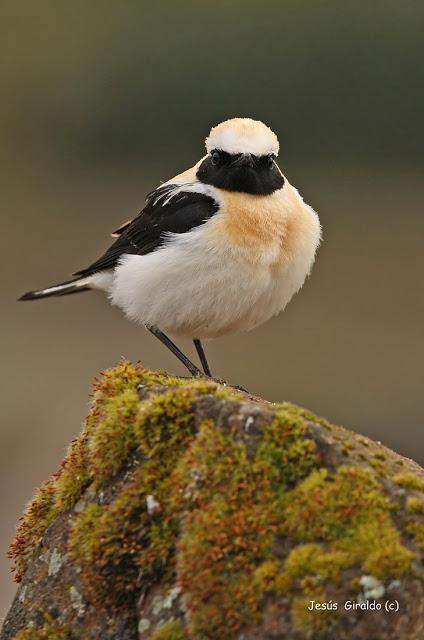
171	208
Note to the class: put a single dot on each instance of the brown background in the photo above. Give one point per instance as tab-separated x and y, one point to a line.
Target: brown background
101	102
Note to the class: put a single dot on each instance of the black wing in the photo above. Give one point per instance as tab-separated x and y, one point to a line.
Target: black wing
169	209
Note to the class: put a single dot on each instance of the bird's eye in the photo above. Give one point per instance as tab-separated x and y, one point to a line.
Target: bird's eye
270	159
216	157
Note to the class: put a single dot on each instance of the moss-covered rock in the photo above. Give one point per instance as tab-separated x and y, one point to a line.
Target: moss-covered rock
187	510
46	632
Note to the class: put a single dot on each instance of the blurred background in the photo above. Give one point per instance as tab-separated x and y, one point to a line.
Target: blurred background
103	100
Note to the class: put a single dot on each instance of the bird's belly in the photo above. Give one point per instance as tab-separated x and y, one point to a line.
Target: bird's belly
190	287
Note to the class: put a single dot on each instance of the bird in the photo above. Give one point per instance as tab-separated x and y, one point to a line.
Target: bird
220	248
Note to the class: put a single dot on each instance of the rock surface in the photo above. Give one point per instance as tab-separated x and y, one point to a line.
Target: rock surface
188	510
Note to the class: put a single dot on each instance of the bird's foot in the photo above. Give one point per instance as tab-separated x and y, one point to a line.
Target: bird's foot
240	388
220	381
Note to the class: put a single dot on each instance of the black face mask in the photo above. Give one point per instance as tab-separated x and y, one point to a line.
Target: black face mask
241	172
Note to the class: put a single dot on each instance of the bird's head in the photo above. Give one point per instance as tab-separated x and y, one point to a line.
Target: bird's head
241	157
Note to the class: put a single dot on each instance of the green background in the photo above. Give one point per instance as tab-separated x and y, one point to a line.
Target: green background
103	100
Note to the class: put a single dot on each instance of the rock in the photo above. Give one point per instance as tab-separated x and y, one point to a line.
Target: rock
188	510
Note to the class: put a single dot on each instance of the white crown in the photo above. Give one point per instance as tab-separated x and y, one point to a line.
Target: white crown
243	135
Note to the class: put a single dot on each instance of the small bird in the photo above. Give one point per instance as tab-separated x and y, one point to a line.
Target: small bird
219	248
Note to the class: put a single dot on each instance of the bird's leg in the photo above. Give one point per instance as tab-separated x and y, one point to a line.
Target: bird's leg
175	350
202	356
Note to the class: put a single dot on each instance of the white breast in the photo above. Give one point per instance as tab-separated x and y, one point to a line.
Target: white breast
205	283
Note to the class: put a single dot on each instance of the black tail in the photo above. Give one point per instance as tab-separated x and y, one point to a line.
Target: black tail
63	289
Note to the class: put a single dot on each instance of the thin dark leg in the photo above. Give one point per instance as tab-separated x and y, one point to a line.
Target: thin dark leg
202	356
176	351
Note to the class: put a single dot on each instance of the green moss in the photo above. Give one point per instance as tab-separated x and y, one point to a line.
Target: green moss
74	474
169	631
123	530
221	506
47	632
380	456
285	448
233	518
217	557
312	622
115	399
310	559
415	505
300	413
409	481
301	559
101	449
230	524
165	424
160	429
266	574
326	507
125	376
306	568
38	516
84	542
379	466
116	411
113	438
416	529
391	561
377	546
355	585
283	584
64	489
350	512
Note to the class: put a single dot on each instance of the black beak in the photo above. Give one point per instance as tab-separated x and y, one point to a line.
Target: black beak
244	160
